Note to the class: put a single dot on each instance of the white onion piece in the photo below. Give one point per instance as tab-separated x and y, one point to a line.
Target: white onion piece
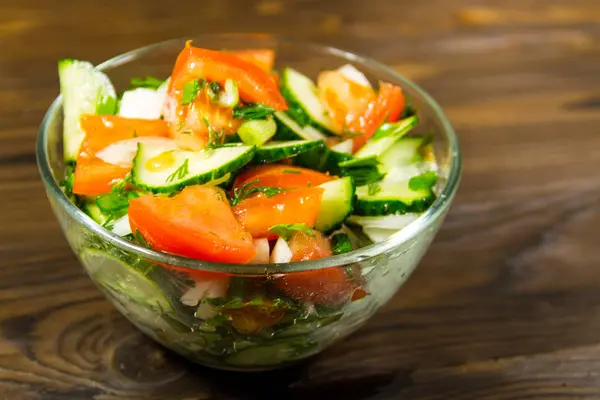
262	251
281	252
121	226
344	147
352	74
394	222
206	288
122	152
142	103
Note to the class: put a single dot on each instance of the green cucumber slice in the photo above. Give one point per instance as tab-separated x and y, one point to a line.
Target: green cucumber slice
256	132
385	198
336	204
288	129
127	280
188	167
379	144
275	151
301	94
85	90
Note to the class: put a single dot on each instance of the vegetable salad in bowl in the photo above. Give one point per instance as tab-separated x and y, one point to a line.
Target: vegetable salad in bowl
238	210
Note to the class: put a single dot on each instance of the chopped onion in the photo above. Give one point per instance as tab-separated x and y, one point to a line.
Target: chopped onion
344	147
352	74
122	152
121	226
379	234
262	251
142	103
206	288
281	252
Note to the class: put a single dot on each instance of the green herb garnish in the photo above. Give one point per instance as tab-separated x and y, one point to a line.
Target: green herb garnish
291	171
252	111
424	181
149	82
106	106
340	243
214	138
191	90
247	190
286	231
180	172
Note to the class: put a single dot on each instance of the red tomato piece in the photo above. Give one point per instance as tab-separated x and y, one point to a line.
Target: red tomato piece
281	176
387	106
259	212
94	176
254	84
264	58
325	286
196	223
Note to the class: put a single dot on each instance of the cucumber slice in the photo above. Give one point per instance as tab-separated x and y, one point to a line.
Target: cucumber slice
402	153
267	355
379	144
301	93
288	129
391	198
276	151
92	210
256	132
394	222
336	204
322	159
141	103
131	281
85	90
185	167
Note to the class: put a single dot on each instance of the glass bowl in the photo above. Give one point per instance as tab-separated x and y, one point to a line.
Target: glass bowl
254	328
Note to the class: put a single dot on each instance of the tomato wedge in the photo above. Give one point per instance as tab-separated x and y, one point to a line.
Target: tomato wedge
264	58
254	84
387	106
94	176
196	223
281	176
325	286
298	206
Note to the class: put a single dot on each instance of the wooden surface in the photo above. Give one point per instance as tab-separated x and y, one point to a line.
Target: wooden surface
506	304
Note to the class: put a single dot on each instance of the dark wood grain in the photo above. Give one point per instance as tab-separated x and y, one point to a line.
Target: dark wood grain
506	304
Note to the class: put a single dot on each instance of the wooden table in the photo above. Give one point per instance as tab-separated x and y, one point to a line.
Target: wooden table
506	304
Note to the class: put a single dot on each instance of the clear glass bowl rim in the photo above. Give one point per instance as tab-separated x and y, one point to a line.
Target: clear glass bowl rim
437	209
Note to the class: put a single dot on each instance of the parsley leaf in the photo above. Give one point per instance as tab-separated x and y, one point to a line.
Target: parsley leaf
149	82
247	190
291	171
191	90
424	181
253	111
340	243
286	231
180	172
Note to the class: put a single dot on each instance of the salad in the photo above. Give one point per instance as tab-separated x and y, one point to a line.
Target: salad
228	160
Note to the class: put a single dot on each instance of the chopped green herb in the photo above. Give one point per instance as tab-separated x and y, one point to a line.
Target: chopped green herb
340	243
247	190
286	231
149	82
424	181
374	188
191	90
292	171
214	138
409	108
253	111
180	172
106	106
139	239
